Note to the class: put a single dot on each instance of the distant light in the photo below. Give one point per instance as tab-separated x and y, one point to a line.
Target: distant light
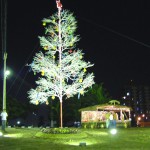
139	118
113	131
34	114
128	93
143	115
18	122
124	97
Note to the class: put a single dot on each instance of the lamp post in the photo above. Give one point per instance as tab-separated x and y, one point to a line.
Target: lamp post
4	113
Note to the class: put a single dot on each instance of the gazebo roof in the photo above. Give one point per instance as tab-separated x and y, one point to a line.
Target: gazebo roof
106	107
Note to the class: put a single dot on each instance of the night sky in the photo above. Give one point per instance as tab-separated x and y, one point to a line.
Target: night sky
115	36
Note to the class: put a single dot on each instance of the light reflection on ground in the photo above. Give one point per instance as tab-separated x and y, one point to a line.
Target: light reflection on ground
18	135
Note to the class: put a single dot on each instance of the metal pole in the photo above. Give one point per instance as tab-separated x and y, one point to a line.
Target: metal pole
4	93
4	55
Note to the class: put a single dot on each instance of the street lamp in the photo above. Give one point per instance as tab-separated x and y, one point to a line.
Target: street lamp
4	113
7	72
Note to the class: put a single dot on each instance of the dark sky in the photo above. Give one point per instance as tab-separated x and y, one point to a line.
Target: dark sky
115	36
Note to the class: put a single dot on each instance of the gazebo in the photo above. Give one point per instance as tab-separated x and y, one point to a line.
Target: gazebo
100	113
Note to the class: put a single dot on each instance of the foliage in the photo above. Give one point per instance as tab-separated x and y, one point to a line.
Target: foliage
95	96
71	113
54	109
62	70
89	125
60	130
63	73
102	124
102	95
14	108
93	125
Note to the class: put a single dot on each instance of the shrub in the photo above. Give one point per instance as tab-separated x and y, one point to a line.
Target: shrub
60	130
93	125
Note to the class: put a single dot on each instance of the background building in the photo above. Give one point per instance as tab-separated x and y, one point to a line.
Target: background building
138	98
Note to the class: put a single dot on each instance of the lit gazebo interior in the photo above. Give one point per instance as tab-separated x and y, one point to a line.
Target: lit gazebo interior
100	113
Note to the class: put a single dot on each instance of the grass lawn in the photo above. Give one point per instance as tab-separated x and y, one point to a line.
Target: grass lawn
96	139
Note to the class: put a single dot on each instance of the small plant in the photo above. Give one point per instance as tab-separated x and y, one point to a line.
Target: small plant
84	125
92	125
125	125
102	125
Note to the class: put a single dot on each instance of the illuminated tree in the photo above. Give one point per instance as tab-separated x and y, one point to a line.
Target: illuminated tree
62	70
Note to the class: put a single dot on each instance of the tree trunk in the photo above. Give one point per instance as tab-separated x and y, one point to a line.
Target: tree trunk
61	116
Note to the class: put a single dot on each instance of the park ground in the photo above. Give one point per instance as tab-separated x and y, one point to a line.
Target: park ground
136	138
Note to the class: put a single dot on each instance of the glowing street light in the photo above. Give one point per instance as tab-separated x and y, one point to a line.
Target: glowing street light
113	131
7	72
18	122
